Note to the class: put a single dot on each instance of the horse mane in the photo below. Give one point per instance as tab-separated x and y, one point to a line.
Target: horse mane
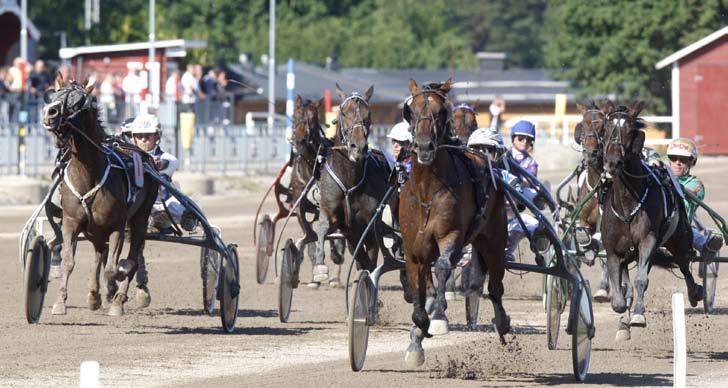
639	122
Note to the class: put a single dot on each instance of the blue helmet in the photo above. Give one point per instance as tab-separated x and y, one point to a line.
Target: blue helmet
525	128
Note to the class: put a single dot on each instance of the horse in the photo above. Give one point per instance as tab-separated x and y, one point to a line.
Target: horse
353	182
464	121
589	134
94	197
443	207
639	215
308	141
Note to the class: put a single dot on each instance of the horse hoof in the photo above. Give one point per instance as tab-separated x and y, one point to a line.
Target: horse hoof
94	300
414	359
59	309
449	295
143	299
638	320
116	310
601	296
623	335
438	327
314	285
334	283
320	273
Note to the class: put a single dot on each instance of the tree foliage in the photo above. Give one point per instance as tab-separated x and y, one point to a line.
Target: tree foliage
607	47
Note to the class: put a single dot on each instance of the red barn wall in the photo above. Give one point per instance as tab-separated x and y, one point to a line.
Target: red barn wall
704	97
117	64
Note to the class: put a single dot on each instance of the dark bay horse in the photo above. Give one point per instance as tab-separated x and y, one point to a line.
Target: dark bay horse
443	207
95	197
308	141
464	120
353	181
639	216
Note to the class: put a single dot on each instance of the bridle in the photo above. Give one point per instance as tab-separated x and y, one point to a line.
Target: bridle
597	119
358	121
430	117
309	131
70	117
466	107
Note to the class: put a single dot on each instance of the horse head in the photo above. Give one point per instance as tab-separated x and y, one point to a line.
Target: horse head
70	107
589	132
624	137
306	127
464	121
429	117
353	122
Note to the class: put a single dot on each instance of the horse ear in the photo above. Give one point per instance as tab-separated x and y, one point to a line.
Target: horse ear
636	108
446	86
577	132
59	81
89	87
581	108
406	113
299	101
340	92
320	103
476	104
368	94
638	142
608	107
412	86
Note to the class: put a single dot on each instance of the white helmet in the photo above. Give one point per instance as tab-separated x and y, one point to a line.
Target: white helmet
486	137
400	132
145	124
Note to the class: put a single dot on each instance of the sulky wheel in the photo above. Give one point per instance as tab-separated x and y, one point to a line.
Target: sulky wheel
359	321
710	277
554	307
581	337
37	267
285	283
229	289
210	263
262	254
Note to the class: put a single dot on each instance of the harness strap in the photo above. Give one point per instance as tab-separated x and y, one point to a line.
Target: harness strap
347	192
90	193
126	173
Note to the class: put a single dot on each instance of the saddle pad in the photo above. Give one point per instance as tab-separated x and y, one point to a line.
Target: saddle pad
138	170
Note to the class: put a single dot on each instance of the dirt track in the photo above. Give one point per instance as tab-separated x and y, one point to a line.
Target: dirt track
172	343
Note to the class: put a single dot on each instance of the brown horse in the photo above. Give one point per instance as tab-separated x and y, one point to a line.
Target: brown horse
308	141
353	181
443	207
95	197
464	121
589	134
639	216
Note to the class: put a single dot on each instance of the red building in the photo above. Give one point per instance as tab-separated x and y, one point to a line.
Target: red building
700	92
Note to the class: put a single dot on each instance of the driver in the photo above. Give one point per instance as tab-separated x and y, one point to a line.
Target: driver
146	133
683	155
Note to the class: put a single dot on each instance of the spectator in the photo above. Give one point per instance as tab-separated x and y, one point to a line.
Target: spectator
209	84
107	98
40	79
17	75
190	88
197	71
132	86
172	87
497	108
4	76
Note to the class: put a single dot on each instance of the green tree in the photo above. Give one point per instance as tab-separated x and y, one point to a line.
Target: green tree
608	47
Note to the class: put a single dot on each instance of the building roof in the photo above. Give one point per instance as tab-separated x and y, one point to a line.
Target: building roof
518	86
687	50
70	52
11	7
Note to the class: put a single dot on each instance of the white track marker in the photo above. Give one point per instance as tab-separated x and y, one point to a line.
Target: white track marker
90	374
678	338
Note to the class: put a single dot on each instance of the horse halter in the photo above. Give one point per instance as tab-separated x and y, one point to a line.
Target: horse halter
345	132
618	119
60	108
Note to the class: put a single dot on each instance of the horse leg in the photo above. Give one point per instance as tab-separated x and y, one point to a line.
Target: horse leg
623	329
93	299
619	305
67	263
337	256
128	267
695	291
443	269
417	281
602	294
320	270
473	285
646	249
143	297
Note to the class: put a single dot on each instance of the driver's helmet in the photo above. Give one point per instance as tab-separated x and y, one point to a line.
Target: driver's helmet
146	123
524	128
126	126
684	147
486	137
400	132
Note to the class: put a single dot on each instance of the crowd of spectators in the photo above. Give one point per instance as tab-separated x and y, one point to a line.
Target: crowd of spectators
197	89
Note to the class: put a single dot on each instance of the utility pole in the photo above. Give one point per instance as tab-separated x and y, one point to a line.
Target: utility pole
24	30
151	65
271	64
